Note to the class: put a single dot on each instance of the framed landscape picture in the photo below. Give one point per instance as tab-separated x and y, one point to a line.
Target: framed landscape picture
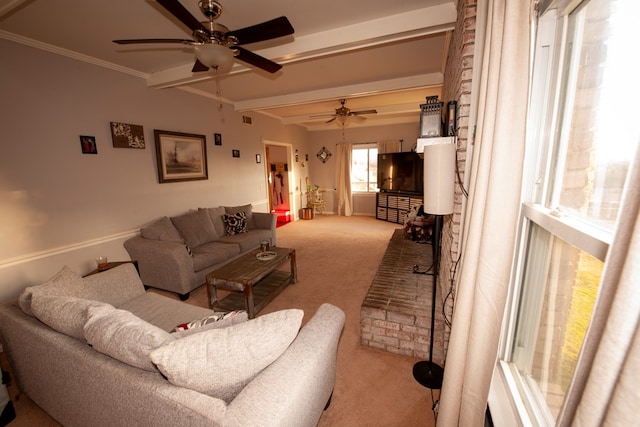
180	156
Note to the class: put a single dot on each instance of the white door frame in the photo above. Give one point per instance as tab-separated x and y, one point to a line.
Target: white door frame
290	174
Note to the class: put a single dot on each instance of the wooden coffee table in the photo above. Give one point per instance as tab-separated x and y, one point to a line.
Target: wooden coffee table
253	283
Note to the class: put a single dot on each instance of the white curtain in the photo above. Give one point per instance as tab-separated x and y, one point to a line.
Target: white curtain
492	211
389	146
604	389
343	179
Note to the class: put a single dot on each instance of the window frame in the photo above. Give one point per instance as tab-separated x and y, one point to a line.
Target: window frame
511	401
368	146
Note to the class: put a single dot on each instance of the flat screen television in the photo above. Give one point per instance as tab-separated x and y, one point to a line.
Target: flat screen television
401	172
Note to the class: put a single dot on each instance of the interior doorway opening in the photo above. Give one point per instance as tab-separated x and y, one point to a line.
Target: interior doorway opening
280	180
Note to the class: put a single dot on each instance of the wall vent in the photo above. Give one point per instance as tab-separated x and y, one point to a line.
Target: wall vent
247	120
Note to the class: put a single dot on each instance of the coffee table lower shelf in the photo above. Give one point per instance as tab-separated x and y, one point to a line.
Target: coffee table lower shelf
263	293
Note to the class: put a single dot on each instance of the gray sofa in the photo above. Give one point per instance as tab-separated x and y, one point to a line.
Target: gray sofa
176	254
96	351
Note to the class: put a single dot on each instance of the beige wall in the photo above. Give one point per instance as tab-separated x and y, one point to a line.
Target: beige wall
323	174
59	206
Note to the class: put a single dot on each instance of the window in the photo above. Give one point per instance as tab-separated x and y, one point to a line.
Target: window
580	141
364	168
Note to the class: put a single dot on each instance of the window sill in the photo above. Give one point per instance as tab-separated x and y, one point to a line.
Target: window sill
502	404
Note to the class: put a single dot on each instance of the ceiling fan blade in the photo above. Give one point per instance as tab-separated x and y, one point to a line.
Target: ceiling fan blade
355	113
256	60
268	30
329	121
136	41
199	66
179	11
321	116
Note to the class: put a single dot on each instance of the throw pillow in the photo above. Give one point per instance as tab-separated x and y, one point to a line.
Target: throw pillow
235	223
163	229
195	227
65	282
208	320
240	317
124	336
221	362
248	211
67	315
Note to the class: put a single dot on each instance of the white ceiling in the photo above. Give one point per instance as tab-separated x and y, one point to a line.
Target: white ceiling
378	54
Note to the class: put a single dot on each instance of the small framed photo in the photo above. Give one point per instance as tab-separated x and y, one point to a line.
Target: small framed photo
125	135
235	153
88	144
217	139
180	156
258	158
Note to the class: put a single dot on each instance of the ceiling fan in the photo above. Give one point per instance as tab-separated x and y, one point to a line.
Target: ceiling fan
343	114
215	45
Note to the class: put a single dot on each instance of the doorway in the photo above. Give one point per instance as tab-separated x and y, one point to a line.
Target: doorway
280	179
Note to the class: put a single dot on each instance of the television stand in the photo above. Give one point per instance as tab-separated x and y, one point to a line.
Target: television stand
393	207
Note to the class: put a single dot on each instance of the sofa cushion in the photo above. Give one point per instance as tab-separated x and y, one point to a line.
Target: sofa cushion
248	241
221	362
213	253
235	223
163	229
195	227
116	285
67	315
124	336
216	218
162	311
66	282
248	211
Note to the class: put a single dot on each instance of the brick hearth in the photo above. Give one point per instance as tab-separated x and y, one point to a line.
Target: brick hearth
396	313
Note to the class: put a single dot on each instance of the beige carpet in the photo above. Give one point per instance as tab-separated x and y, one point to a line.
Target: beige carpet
337	258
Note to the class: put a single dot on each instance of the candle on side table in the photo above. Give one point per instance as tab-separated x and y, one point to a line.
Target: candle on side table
102	262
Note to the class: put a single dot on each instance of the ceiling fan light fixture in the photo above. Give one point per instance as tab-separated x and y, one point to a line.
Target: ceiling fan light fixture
214	55
343	120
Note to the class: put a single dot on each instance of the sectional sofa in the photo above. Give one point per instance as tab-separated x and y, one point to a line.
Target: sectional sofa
97	351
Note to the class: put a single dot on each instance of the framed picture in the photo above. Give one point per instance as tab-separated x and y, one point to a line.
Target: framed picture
217	139
125	135
180	156
258	158
88	144
235	153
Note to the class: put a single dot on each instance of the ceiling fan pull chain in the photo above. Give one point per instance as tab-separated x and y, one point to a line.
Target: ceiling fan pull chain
218	93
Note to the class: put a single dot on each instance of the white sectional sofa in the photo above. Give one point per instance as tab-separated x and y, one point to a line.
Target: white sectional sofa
97	351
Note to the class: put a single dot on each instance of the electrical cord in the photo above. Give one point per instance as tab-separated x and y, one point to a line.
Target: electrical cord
428	271
464	191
